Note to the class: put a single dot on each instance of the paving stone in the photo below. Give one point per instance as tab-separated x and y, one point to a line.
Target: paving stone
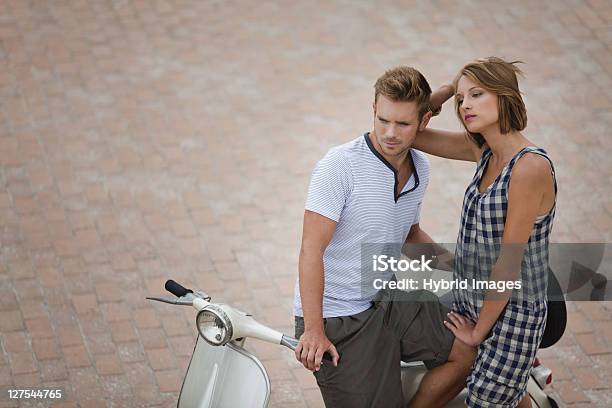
108	364
11	321
76	356
46	349
168	380
23	363
15	342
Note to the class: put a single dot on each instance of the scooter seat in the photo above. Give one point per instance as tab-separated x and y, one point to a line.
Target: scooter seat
556	320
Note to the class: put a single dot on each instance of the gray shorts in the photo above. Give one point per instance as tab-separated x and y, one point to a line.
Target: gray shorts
406	326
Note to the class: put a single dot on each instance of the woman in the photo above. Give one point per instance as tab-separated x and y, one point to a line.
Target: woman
506	220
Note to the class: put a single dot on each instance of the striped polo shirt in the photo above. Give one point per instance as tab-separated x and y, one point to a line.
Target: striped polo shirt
355	186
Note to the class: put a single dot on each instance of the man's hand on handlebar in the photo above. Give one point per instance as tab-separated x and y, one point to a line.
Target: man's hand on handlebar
311	347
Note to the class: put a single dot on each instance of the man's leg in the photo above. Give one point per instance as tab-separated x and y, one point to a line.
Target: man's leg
368	373
417	318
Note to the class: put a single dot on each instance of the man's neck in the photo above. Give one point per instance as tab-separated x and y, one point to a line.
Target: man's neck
397	161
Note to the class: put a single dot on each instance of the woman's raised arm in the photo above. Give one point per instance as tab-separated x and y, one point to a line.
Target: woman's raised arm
443	143
447	144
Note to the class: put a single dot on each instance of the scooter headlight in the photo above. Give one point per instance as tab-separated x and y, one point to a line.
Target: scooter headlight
214	325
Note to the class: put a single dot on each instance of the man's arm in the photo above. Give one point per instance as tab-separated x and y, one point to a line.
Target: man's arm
417	236
443	259
316	235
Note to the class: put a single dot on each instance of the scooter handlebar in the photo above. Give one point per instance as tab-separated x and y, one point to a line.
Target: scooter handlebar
292	343
248	326
176	289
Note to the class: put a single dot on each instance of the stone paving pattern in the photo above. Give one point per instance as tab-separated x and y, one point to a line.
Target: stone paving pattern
142	140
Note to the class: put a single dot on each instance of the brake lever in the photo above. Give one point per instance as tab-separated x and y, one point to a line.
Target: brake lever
202	295
186	300
172	301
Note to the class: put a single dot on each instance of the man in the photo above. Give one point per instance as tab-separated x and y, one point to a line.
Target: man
370	191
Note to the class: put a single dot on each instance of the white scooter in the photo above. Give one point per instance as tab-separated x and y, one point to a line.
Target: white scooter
220	365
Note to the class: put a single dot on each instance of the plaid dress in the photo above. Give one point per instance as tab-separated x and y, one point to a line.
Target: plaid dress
503	364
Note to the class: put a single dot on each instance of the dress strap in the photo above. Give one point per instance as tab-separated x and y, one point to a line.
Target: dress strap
535	150
482	162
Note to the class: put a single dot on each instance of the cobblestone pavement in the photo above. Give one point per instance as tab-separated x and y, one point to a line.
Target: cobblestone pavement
142	140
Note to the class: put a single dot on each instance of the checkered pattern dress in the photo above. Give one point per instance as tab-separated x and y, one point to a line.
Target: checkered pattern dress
503	365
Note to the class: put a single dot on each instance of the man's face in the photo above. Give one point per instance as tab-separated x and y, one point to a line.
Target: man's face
396	125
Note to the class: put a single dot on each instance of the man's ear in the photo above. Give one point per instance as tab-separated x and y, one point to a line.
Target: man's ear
374	107
425	120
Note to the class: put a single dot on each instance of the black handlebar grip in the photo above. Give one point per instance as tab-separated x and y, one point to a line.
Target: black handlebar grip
176	289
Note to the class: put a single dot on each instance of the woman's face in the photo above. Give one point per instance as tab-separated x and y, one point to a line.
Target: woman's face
477	106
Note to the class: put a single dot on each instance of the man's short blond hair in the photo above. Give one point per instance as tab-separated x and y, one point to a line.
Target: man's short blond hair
404	84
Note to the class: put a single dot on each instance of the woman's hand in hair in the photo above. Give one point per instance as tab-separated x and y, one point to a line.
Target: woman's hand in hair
441	95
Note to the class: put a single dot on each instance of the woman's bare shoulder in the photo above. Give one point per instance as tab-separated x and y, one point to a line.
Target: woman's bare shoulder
532	169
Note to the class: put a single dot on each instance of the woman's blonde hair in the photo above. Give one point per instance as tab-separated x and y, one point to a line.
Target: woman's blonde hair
499	77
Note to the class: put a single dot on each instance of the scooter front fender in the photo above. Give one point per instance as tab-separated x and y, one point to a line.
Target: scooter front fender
224	376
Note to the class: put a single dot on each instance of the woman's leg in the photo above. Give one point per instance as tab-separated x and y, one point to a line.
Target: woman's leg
525	402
